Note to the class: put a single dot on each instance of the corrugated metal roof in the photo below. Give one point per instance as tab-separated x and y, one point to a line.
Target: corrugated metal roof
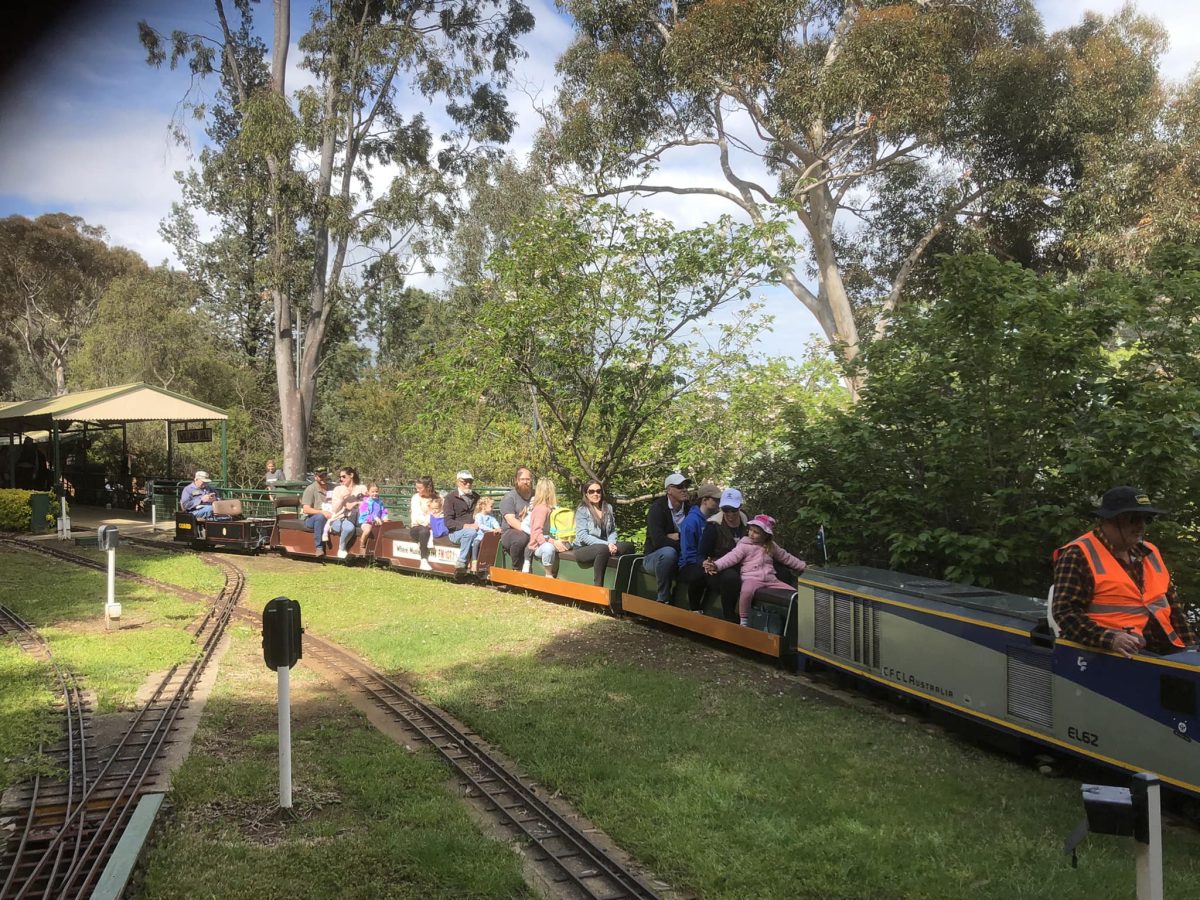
123	403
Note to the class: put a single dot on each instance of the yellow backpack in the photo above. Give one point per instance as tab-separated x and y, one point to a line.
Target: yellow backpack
562	523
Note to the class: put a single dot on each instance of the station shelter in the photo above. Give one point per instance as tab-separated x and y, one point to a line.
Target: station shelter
55	423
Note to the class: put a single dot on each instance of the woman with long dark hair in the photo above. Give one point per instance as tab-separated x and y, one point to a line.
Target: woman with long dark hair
596	532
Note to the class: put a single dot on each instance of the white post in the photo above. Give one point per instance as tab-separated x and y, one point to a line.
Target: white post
64	521
285	738
112	586
153	512
1149	855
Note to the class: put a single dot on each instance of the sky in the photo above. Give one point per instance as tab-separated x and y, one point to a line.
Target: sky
84	121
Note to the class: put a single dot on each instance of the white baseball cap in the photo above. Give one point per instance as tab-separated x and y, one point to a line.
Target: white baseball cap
464	475
731	498
677	480
202	475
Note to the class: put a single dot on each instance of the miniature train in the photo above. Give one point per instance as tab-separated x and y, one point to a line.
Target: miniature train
985	655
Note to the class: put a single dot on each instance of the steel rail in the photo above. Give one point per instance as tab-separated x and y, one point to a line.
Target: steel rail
27	638
578	860
130	790
152	734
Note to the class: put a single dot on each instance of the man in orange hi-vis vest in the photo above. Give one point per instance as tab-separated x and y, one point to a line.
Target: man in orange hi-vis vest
1112	589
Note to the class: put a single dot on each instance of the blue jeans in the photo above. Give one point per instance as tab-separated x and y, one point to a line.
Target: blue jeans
663	563
316	524
203	511
465	538
345	529
547	553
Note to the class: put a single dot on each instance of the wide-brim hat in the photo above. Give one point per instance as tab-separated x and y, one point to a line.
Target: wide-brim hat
1123	499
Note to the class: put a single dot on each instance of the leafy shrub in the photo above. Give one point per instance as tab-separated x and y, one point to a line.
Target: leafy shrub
15	510
993	418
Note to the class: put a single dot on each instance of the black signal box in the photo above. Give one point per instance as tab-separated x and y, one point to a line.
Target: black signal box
281	633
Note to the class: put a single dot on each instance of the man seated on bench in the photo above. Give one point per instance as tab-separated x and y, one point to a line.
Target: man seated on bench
199	496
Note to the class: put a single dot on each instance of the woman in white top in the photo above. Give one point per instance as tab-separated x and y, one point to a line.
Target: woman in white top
418	516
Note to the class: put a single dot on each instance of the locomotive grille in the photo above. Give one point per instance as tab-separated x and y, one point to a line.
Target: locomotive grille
843	631
822	601
846	626
1029	686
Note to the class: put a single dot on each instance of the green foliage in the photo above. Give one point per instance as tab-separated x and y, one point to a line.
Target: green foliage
398	424
293	233
593	312
993	417
151	326
16	509
53	270
943	126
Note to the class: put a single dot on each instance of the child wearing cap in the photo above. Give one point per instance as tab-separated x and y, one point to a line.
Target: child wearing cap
757	554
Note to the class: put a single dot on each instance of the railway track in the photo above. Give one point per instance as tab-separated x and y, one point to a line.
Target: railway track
562	853
65	846
48	804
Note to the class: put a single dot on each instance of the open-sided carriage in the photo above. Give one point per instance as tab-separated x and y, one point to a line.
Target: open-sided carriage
397	547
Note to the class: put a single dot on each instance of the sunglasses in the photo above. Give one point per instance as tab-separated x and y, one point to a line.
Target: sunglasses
594	491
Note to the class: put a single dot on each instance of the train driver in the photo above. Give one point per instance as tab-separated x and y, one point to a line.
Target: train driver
199	496
1112	589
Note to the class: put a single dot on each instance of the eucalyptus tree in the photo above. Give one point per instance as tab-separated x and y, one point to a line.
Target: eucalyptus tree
326	147
53	271
599	314
230	264
916	116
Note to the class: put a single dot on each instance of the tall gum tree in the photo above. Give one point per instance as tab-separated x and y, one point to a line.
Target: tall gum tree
324	145
812	107
53	271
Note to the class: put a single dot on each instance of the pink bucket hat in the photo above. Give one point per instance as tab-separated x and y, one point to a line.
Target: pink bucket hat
766	523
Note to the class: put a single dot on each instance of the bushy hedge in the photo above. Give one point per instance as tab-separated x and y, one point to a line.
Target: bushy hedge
993	418
15	510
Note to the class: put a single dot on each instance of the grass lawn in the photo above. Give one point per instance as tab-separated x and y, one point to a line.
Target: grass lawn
66	604
373	820
718	773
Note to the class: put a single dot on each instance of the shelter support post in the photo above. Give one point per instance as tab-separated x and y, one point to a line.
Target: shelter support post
225	452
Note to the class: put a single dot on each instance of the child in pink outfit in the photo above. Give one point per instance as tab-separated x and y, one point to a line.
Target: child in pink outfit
756	554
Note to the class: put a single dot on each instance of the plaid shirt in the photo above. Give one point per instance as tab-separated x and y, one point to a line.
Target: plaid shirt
1073	587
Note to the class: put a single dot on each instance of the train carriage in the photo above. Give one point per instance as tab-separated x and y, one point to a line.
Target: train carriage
772	629
575	580
992	657
396	547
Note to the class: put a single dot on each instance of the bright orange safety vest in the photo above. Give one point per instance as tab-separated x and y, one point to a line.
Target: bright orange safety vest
1116	602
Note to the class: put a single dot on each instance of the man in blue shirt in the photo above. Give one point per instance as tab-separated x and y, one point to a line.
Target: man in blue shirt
198	497
691	569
